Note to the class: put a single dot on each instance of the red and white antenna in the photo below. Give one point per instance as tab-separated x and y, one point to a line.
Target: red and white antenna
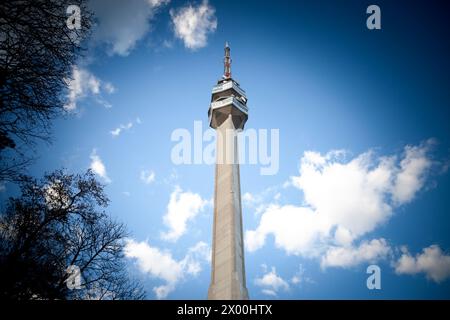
227	62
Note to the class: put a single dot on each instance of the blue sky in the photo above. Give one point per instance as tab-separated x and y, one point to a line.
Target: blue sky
364	142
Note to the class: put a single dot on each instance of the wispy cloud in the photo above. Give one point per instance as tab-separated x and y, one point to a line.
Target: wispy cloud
84	84
109	88
98	167
147	176
116	132
123	127
300	277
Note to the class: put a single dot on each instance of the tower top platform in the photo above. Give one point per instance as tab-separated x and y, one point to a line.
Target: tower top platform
228	98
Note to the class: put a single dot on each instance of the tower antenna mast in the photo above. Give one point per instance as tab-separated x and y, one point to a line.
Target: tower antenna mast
227	62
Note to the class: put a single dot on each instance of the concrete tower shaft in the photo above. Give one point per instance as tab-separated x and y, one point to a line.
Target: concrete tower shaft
228	113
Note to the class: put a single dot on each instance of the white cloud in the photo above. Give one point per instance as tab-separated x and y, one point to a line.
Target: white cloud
192	24
147	176
157	263
350	195
410	177
271	283
98	167
116	132
368	251
182	207
432	262
121	24
295	229
343	200
83	84
161	265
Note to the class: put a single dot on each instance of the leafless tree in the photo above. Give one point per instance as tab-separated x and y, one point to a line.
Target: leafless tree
37	52
57	223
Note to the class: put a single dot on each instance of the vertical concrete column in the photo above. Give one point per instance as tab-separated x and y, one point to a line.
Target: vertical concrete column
228	267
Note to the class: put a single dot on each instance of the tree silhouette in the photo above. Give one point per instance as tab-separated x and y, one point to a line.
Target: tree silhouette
57	223
37	52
